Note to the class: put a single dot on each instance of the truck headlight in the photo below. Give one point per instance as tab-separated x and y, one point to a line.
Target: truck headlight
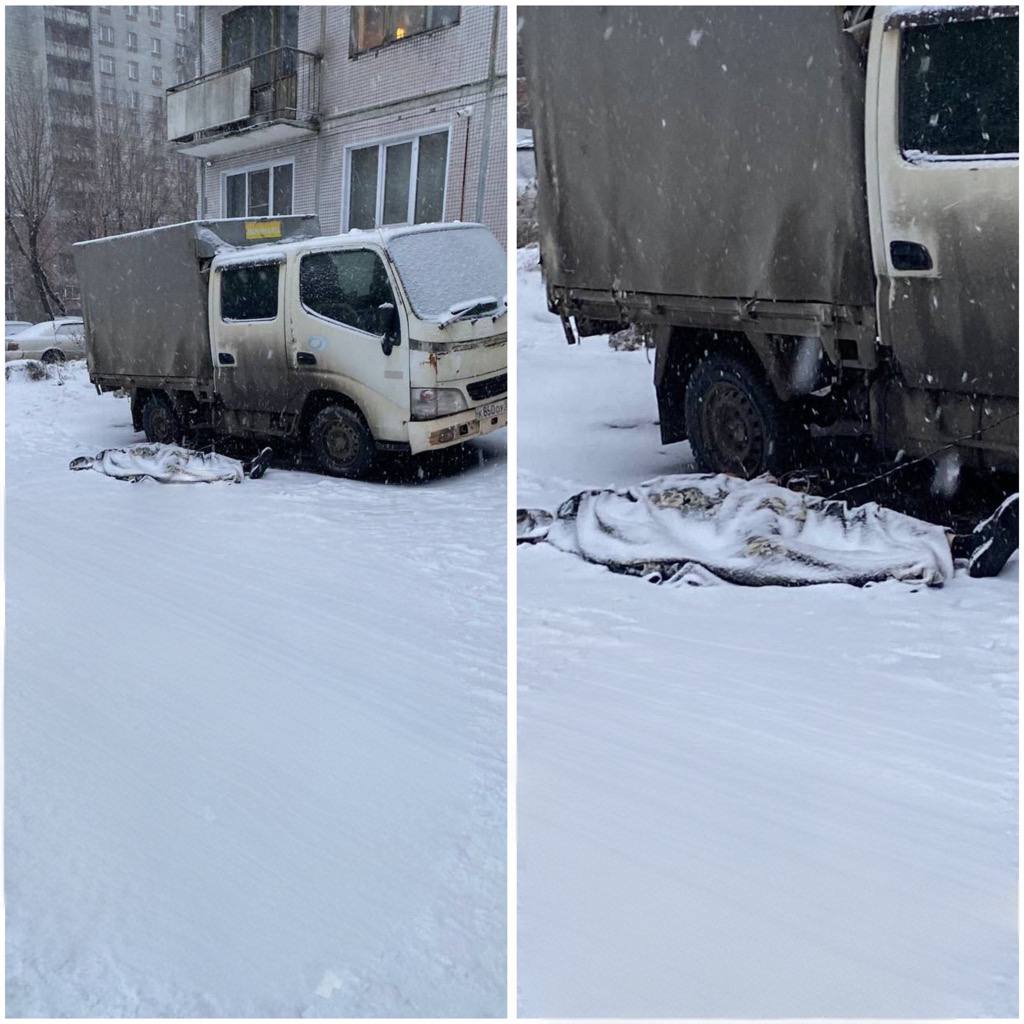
430	403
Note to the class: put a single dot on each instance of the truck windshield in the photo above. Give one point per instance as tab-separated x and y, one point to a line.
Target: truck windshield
451	273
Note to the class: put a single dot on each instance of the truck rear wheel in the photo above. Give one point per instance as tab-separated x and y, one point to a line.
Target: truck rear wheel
734	421
341	442
160	422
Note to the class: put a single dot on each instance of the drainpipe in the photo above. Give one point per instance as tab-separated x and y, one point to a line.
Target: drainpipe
485	146
201	198
322	72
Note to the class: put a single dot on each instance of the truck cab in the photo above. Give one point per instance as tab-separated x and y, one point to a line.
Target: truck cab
390	339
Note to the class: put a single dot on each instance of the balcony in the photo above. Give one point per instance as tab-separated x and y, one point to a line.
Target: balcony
262	101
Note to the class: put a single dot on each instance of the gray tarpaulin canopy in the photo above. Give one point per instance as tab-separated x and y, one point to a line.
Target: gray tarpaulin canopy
700	151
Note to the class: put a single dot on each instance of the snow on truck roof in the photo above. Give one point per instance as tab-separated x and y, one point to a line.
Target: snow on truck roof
231	254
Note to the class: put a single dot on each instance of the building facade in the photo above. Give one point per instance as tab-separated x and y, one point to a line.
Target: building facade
363	115
94	69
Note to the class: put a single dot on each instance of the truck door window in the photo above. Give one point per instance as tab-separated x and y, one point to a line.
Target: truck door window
958	88
249	292
348	287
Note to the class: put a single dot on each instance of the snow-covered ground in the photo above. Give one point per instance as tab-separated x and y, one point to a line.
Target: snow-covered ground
255	734
748	802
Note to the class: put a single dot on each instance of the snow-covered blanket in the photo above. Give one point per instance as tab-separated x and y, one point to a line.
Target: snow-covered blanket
167	463
703	528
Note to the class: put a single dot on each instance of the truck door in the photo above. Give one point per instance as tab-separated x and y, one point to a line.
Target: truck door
943	90
349	335
247	335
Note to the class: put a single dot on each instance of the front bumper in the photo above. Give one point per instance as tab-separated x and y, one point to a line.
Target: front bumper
429	435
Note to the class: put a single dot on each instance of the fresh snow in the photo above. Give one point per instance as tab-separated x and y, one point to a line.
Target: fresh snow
740	802
255	733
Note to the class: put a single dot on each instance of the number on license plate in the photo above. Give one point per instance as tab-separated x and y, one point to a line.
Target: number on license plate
487	412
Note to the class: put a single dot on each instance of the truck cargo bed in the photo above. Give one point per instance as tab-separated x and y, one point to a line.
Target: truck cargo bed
713	152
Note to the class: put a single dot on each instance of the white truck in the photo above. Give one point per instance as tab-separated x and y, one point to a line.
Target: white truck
392	339
814	209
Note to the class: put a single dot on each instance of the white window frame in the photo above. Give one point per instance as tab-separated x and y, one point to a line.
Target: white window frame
133	71
106	61
131	12
106	34
181	17
155	14
132	41
263	166
155	47
157	74
382	145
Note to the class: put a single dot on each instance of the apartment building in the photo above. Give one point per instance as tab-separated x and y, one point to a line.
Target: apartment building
139	52
363	115
94	68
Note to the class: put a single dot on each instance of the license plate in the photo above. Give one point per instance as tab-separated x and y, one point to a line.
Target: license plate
492	409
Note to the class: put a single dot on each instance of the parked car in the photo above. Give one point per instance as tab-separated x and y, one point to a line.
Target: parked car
12	327
53	341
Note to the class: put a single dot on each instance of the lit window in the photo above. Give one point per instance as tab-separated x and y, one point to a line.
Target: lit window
376	26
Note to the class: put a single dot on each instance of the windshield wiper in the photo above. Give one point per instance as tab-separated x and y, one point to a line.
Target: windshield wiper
466	310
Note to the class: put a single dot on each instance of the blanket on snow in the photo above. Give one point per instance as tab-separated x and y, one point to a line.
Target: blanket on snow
164	462
702	528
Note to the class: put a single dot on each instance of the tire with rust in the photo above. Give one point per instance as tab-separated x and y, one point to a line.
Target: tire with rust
736	423
340	442
160	421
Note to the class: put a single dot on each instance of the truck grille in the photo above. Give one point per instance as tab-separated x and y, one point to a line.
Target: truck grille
481	389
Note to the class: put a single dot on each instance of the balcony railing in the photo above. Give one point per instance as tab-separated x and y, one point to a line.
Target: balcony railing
279	86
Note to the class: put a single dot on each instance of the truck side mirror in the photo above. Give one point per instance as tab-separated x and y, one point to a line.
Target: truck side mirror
390	326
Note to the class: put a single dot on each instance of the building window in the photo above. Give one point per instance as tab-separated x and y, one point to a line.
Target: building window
133	71
180	51
106	65
133	99
398	182
154	48
132	12
158	75
371	27
248	32
259	192
107	35
107	94
156	104
133	41
155	15
181	17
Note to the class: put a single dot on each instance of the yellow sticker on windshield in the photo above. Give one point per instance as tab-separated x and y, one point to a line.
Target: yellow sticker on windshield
262	229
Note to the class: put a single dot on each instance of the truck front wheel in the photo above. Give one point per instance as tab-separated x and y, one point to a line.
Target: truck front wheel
160	422
735	422
341	442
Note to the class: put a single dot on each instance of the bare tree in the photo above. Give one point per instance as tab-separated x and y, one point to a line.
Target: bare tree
140	182
30	186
